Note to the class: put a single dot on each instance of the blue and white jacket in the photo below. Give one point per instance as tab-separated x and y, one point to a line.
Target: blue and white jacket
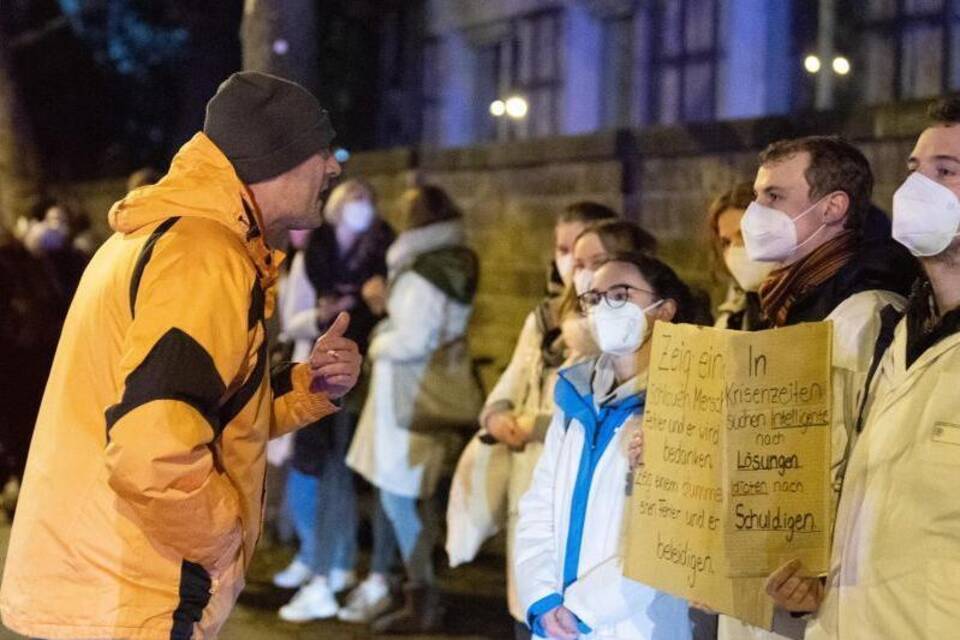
570	535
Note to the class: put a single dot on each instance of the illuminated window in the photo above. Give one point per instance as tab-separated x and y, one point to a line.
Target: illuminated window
683	61
905	49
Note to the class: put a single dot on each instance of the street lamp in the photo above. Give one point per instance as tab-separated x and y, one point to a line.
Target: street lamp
841	66
517	107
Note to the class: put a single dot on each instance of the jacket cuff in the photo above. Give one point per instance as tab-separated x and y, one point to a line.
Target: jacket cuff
540	607
306	405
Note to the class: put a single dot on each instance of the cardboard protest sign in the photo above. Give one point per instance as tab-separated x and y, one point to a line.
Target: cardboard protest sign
736	477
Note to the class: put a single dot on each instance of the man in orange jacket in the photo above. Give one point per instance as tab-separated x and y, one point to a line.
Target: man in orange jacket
142	499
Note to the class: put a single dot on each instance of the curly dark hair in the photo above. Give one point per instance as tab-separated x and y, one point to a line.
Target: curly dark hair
945	110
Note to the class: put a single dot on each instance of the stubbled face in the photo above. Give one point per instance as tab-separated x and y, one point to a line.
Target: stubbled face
302	190
728	228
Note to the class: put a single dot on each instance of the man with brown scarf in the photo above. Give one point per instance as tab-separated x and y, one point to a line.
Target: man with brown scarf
838	262
895	562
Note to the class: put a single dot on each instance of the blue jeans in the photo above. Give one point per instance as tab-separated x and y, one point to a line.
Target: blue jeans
324	507
415	533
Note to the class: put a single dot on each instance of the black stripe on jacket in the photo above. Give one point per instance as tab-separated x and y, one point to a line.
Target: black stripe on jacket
177	368
145	254
194	597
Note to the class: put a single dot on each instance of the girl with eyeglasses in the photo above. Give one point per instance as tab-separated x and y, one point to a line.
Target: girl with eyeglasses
569	546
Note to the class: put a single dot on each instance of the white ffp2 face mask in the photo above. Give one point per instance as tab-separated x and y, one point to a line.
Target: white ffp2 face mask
770	235
564	265
358	215
748	273
620	331
926	215
582	280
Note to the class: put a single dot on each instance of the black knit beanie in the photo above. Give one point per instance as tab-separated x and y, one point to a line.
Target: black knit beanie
265	125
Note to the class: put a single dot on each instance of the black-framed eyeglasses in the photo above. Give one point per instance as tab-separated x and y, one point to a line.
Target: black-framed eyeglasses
616	296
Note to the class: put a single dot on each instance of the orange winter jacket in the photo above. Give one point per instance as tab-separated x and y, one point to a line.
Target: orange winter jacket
143	494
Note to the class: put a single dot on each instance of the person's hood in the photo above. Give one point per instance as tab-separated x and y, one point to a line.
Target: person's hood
437	253
201	183
414	242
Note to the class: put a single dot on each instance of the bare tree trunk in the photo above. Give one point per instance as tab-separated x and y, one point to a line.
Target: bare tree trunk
280	37
21	180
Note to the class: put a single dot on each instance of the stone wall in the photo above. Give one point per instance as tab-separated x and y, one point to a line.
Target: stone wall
662	178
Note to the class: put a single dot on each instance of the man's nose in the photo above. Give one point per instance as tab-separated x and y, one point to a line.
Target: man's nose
333	167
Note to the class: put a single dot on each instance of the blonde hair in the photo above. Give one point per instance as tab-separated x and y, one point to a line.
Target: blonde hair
345	192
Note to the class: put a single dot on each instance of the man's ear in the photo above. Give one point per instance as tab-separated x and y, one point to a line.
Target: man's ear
838	207
667	310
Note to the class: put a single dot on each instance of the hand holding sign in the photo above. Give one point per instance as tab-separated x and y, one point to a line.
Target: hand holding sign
635	450
335	360
792	589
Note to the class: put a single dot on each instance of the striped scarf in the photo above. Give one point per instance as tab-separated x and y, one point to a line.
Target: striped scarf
783	287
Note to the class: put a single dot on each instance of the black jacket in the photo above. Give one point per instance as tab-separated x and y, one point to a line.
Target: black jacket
333	274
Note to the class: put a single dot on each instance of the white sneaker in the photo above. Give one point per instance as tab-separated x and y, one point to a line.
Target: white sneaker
314	601
294	576
367	602
342	579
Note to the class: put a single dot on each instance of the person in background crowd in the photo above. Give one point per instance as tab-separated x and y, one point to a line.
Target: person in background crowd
30	323
49	234
591	248
433	280
741	307
895	568
142	498
326	279
568	561
836	261
518	409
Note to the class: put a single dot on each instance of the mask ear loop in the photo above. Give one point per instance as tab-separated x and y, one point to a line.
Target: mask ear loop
819	229
653	306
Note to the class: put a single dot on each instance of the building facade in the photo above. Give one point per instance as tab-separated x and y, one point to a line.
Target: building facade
583	66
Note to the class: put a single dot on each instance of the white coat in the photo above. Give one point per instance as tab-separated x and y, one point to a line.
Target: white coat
856	323
589	559
298	309
490	479
895	570
420	318
297	306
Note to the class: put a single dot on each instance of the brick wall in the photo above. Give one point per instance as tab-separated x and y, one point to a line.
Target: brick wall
663	178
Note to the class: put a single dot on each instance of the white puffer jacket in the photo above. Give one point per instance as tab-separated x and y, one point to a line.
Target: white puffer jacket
420	318
570	535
